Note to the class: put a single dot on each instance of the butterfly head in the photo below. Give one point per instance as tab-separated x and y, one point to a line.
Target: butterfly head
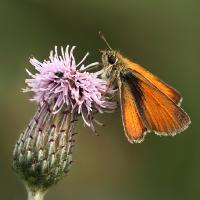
109	58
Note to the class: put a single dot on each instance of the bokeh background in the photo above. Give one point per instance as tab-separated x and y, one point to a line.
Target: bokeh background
163	36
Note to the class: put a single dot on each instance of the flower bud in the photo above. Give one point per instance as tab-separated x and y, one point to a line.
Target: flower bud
43	153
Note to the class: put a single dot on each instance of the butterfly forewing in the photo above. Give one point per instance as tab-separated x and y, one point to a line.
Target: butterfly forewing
158	112
168	90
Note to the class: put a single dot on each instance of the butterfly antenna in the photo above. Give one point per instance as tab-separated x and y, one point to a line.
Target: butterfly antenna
104	39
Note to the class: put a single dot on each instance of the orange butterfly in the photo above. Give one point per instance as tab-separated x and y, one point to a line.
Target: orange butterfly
147	103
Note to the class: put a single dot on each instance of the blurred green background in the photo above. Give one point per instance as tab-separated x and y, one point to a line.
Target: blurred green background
163	36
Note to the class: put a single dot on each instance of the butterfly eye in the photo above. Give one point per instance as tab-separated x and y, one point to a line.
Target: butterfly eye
111	59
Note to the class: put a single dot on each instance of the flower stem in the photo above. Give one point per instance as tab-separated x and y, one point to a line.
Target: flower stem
35	194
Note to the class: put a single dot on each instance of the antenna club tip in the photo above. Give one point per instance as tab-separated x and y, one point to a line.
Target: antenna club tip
100	33
103	38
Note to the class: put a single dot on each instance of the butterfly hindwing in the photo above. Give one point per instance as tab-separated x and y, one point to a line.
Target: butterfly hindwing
132	121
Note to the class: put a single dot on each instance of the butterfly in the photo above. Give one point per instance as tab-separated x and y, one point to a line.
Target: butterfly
147	103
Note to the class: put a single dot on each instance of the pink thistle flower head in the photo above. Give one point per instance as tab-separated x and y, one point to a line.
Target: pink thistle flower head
63	82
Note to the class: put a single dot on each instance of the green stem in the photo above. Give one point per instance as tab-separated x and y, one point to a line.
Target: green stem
35	194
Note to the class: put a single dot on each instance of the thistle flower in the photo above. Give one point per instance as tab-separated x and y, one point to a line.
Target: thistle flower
63	90
63	81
